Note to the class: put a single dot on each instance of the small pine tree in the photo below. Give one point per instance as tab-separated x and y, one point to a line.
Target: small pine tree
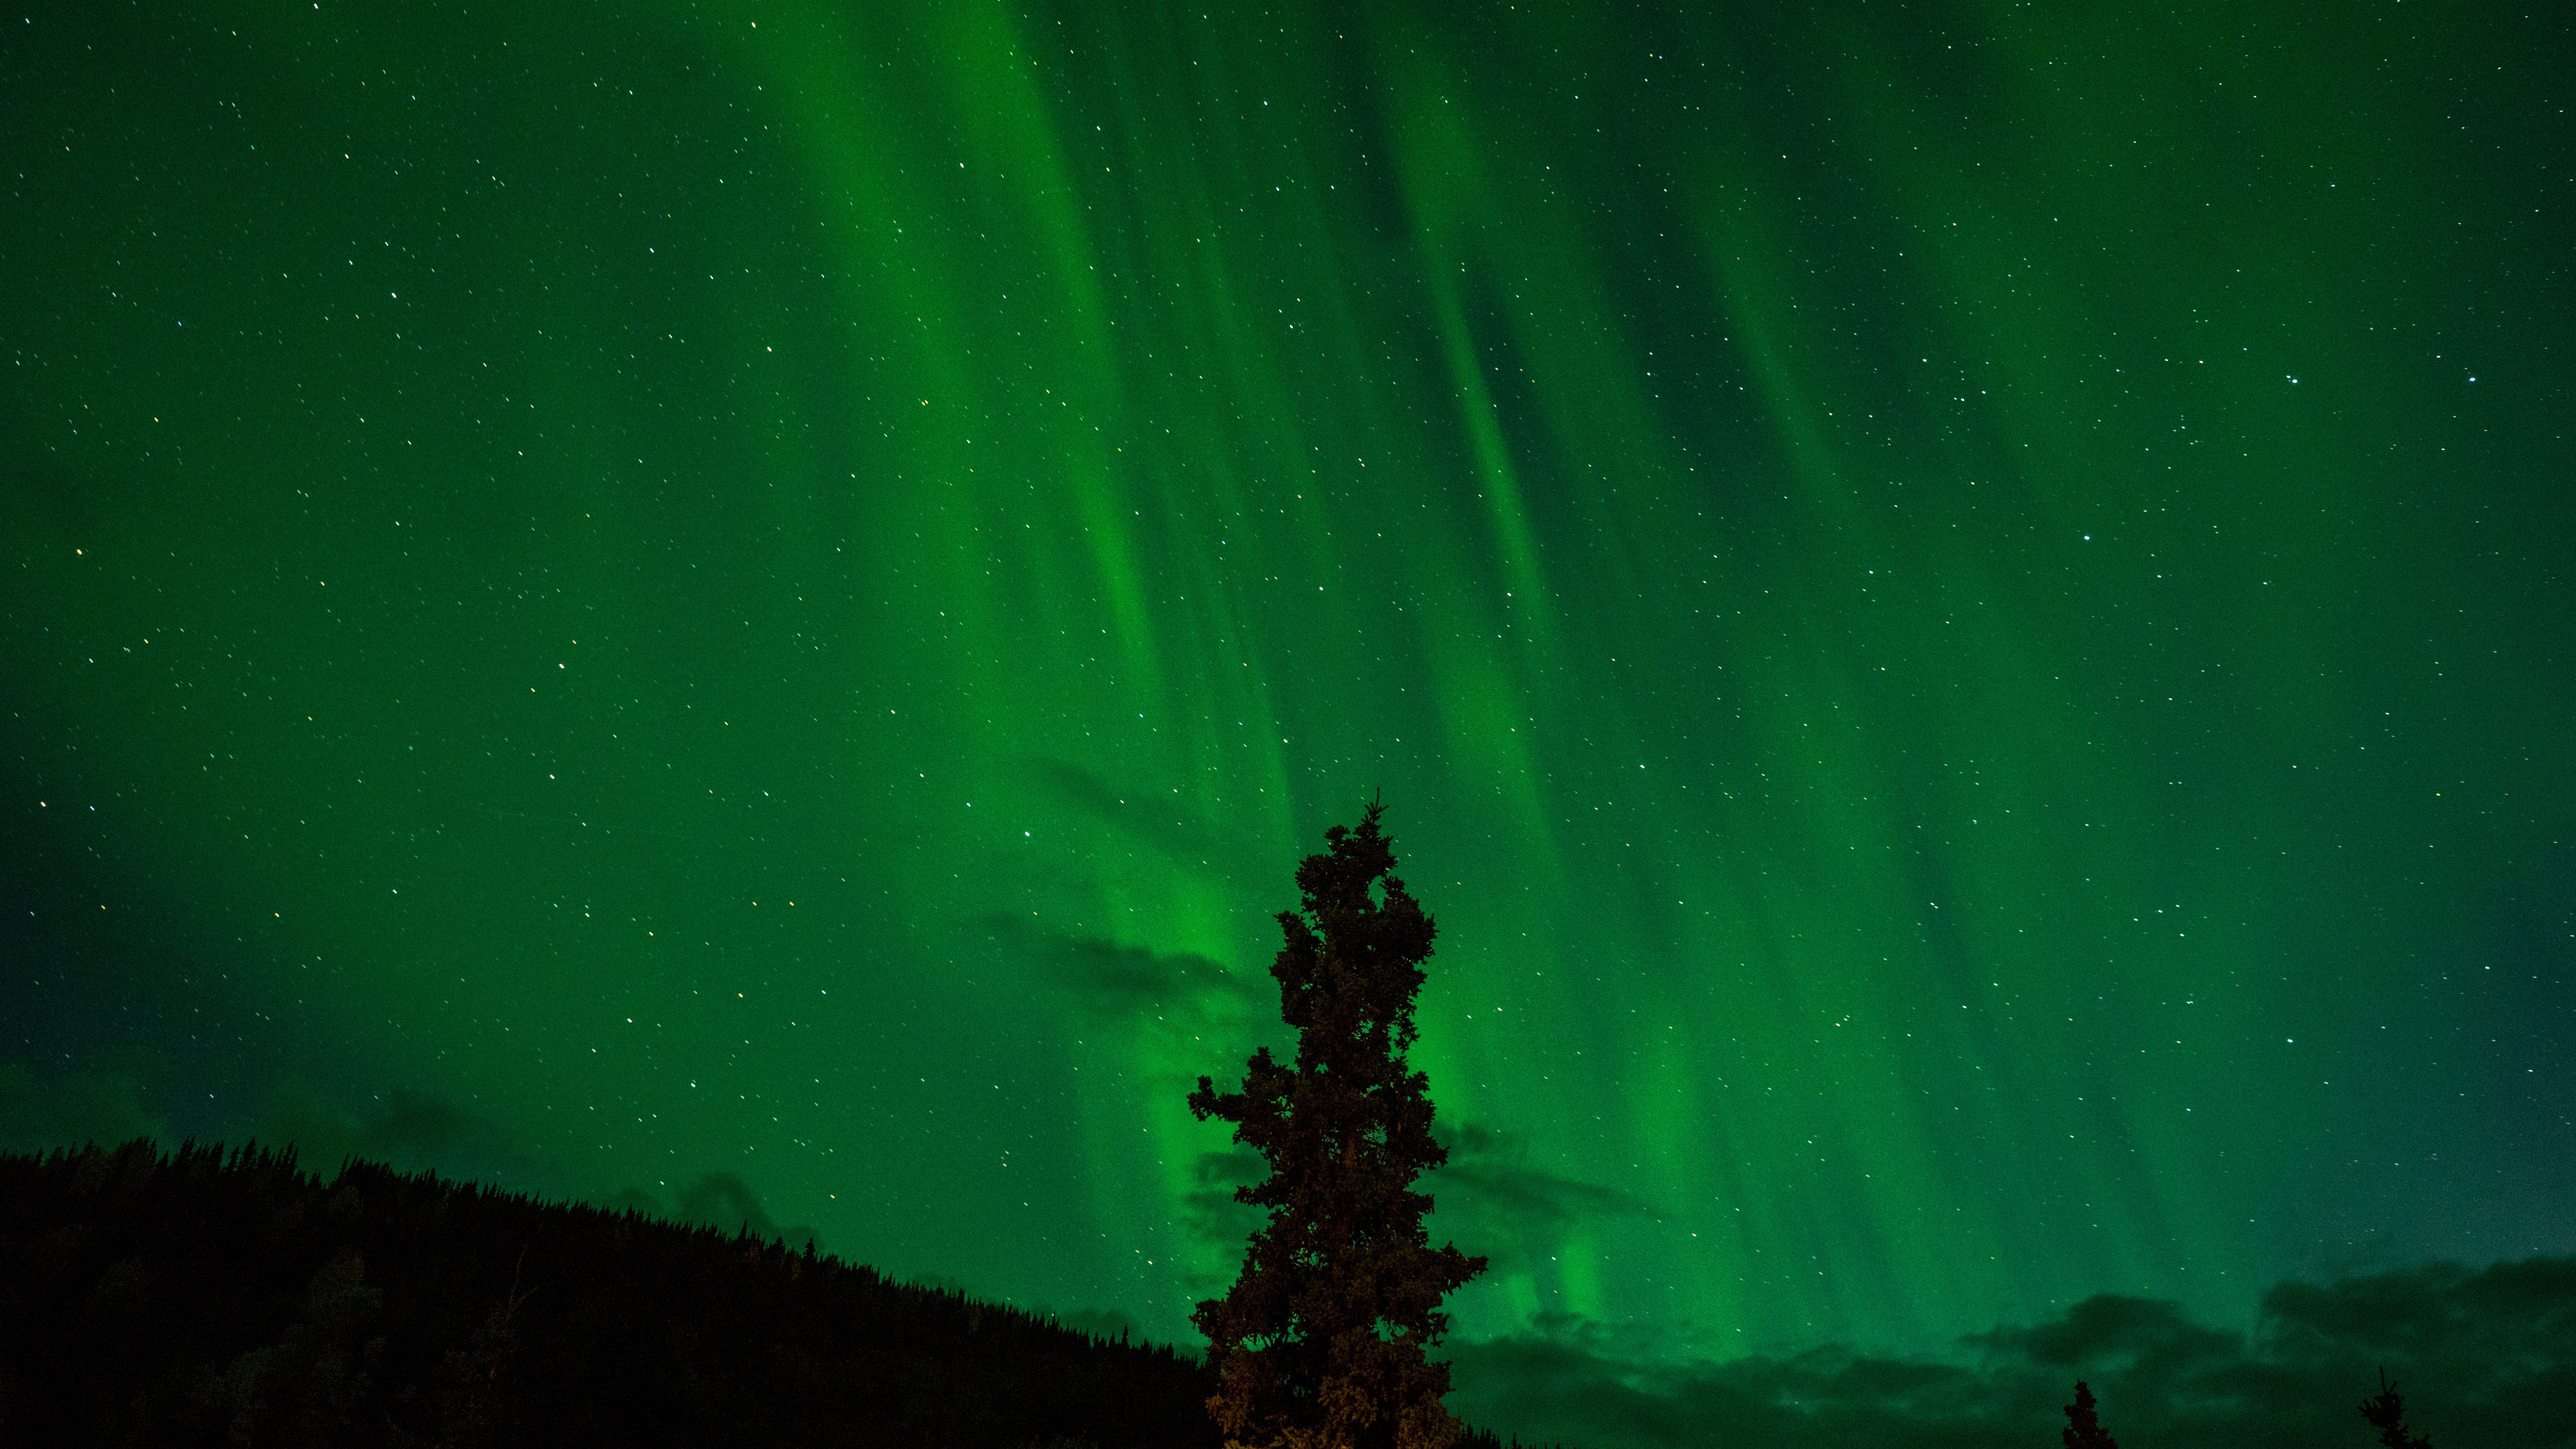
2387	1414
1319	1344
2083	1430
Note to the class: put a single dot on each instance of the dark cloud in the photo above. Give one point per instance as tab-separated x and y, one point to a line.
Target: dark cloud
2139	1333
106	1106
723	1201
1494	1203
1121	981
405	1129
2478	1316
1210	1215
133	1091
408	1130
1488	1199
415	1131
2484	1358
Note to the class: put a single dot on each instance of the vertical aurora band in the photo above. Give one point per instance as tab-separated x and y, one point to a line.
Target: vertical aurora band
1946	632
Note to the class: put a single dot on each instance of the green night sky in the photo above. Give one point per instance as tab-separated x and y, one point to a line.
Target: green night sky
1963	612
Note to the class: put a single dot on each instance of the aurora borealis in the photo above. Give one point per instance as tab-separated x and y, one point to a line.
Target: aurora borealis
1963	613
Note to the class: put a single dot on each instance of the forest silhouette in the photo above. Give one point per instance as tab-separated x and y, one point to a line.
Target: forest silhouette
207	1296
227	1297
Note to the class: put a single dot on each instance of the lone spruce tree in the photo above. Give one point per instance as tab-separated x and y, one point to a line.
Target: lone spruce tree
2387	1414
1319	1345
2084	1424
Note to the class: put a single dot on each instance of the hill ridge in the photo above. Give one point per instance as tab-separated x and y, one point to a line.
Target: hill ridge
214	1295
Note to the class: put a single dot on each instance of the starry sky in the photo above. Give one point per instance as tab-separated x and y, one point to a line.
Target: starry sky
1963	612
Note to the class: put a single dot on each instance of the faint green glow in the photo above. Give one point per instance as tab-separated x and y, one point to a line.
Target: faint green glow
783	599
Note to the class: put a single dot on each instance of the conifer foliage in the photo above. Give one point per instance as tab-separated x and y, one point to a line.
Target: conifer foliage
1320	1343
2387	1414
2083	1428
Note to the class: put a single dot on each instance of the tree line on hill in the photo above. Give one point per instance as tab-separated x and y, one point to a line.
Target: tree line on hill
229	1298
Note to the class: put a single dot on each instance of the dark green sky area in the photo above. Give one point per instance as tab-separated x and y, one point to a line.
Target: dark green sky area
1964	613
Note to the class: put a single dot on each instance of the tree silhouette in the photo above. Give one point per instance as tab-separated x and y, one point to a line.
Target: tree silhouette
213	1296
1319	1344
2083	1430
2387	1414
